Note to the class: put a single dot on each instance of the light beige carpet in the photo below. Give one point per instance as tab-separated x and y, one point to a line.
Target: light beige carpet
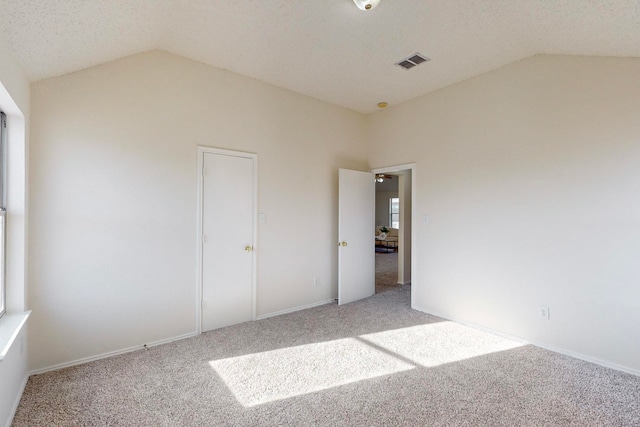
371	363
386	271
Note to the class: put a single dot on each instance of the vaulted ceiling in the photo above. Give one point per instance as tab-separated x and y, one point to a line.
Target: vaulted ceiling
326	49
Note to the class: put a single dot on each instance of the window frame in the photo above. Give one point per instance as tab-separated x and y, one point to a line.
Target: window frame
3	212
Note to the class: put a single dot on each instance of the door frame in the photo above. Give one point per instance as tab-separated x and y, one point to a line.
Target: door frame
202	150
412	168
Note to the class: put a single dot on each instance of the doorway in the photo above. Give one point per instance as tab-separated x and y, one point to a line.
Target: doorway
356	221
226	238
394	189
387	214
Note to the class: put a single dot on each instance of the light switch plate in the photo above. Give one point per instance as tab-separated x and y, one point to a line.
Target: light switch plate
543	311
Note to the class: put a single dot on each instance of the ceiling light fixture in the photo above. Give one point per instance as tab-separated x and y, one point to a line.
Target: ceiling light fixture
380	177
366	4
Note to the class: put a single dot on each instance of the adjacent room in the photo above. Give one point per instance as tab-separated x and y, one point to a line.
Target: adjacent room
347	212
387	230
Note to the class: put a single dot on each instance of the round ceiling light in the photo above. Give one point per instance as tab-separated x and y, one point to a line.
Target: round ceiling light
366	4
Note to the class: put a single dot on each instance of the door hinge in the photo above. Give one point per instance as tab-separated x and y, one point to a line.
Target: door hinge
204	238
204	171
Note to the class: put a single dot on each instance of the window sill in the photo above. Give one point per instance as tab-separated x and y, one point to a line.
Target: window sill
10	326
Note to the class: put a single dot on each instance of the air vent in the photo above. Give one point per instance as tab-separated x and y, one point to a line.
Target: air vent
412	61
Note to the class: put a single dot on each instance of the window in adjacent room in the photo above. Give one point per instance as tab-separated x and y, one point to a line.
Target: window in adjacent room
3	209
394	212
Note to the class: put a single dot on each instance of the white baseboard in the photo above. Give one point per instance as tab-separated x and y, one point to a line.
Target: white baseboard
110	354
292	310
538	344
589	359
12	414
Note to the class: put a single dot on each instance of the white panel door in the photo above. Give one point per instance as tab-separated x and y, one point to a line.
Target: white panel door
228	235
356	231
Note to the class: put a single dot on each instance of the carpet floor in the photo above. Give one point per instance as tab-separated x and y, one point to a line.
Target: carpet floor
374	362
386	271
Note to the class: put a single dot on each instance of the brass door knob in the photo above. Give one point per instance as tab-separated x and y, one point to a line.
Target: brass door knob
343	244
248	248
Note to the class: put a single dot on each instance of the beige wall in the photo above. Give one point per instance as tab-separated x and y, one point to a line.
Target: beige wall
113	198
404	251
382	206
530	177
528	174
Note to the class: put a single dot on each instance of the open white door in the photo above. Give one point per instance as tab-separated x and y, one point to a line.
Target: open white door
356	230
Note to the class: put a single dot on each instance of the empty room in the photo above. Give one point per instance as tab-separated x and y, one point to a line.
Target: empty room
189	223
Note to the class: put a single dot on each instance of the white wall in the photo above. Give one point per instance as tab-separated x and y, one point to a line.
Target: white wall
382	206
530	178
14	101
404	251
13	372
113	198
528	174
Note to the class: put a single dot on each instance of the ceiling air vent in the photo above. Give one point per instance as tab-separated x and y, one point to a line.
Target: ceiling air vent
412	61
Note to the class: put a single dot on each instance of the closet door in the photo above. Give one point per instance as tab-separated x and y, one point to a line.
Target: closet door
228	211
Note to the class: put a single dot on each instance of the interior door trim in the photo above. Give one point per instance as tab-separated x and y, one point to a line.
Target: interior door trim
415	283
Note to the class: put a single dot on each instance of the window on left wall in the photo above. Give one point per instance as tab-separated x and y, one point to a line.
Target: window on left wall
3	211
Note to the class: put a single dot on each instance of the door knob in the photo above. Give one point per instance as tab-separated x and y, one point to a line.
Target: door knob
343	244
248	248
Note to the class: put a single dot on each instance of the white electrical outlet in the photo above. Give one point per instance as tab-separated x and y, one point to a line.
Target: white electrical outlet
544	312
315	281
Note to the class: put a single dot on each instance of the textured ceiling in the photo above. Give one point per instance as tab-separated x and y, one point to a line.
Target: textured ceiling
327	49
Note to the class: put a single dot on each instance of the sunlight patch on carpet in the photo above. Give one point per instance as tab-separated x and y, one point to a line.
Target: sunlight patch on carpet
436	344
265	377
